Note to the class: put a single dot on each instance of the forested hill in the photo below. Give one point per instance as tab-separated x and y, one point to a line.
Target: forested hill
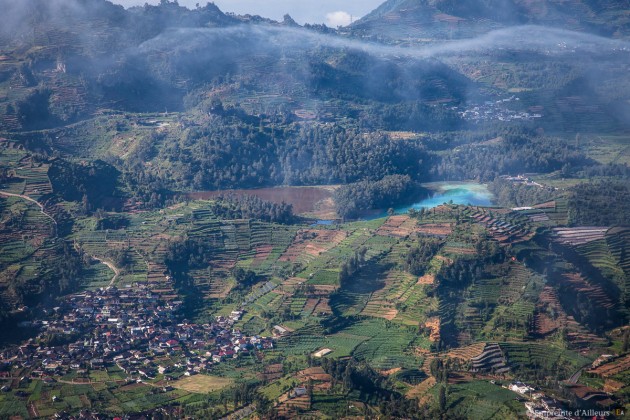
137	24
462	19
62	61
67	60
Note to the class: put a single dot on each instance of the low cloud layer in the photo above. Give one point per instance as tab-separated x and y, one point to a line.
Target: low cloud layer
521	38
337	19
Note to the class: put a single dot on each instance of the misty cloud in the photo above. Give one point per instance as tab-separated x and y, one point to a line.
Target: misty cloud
337	19
169	55
521	38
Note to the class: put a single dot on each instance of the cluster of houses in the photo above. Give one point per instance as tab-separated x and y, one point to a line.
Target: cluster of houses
538	405
541	406
131	328
494	110
523	180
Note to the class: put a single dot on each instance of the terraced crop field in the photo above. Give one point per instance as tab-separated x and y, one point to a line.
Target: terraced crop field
381	314
526	358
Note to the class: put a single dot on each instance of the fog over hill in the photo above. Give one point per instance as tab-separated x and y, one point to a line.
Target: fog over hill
109	51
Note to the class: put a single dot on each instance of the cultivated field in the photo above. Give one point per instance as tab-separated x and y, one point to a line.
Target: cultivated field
202	383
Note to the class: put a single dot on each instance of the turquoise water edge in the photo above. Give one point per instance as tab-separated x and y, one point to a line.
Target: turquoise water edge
445	192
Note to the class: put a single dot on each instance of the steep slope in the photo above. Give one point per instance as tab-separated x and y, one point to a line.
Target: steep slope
450	19
67	59
63	59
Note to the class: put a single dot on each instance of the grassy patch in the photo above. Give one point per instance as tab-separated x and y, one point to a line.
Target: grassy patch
202	384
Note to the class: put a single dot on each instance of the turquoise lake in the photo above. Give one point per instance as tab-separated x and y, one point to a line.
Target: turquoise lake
445	192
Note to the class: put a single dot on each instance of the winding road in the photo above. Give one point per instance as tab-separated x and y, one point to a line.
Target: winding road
32	200
111	267
43	211
576	376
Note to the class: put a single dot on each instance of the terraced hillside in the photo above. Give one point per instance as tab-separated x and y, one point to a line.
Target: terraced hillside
205	215
471	301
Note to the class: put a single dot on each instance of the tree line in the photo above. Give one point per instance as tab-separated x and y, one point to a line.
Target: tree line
510	194
354	199
232	206
603	203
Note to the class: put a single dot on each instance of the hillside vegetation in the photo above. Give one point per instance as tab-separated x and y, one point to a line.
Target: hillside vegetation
201	214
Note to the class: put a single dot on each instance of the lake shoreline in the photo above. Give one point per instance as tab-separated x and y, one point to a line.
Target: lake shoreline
441	192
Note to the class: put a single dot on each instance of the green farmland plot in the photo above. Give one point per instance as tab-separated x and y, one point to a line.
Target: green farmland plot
483	400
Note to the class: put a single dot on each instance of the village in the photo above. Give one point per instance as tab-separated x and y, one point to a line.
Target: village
131	329
495	110
541	406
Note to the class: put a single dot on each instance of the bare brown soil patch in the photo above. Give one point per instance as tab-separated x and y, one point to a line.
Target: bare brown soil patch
323	289
221	293
467	353
131	387
420	390
427	279
612	386
548	303
380	309
594	291
289	285
619	365
262	252
436	229
399	226
303	199
312	242
390	372
323	307
272	372
311	304
316	374
434	325
547	205
446	260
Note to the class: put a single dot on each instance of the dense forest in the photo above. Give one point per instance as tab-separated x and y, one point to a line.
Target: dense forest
251	207
188	253
353	199
93	184
512	153
510	194
602	203
235	151
419	257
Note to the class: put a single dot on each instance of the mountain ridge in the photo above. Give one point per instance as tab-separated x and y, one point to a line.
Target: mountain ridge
447	19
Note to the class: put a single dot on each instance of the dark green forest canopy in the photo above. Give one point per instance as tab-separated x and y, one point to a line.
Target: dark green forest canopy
353	199
603	203
93	183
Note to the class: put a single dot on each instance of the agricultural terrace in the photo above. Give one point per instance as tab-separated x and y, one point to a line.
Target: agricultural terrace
377	291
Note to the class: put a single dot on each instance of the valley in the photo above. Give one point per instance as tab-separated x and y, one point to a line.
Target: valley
421	215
